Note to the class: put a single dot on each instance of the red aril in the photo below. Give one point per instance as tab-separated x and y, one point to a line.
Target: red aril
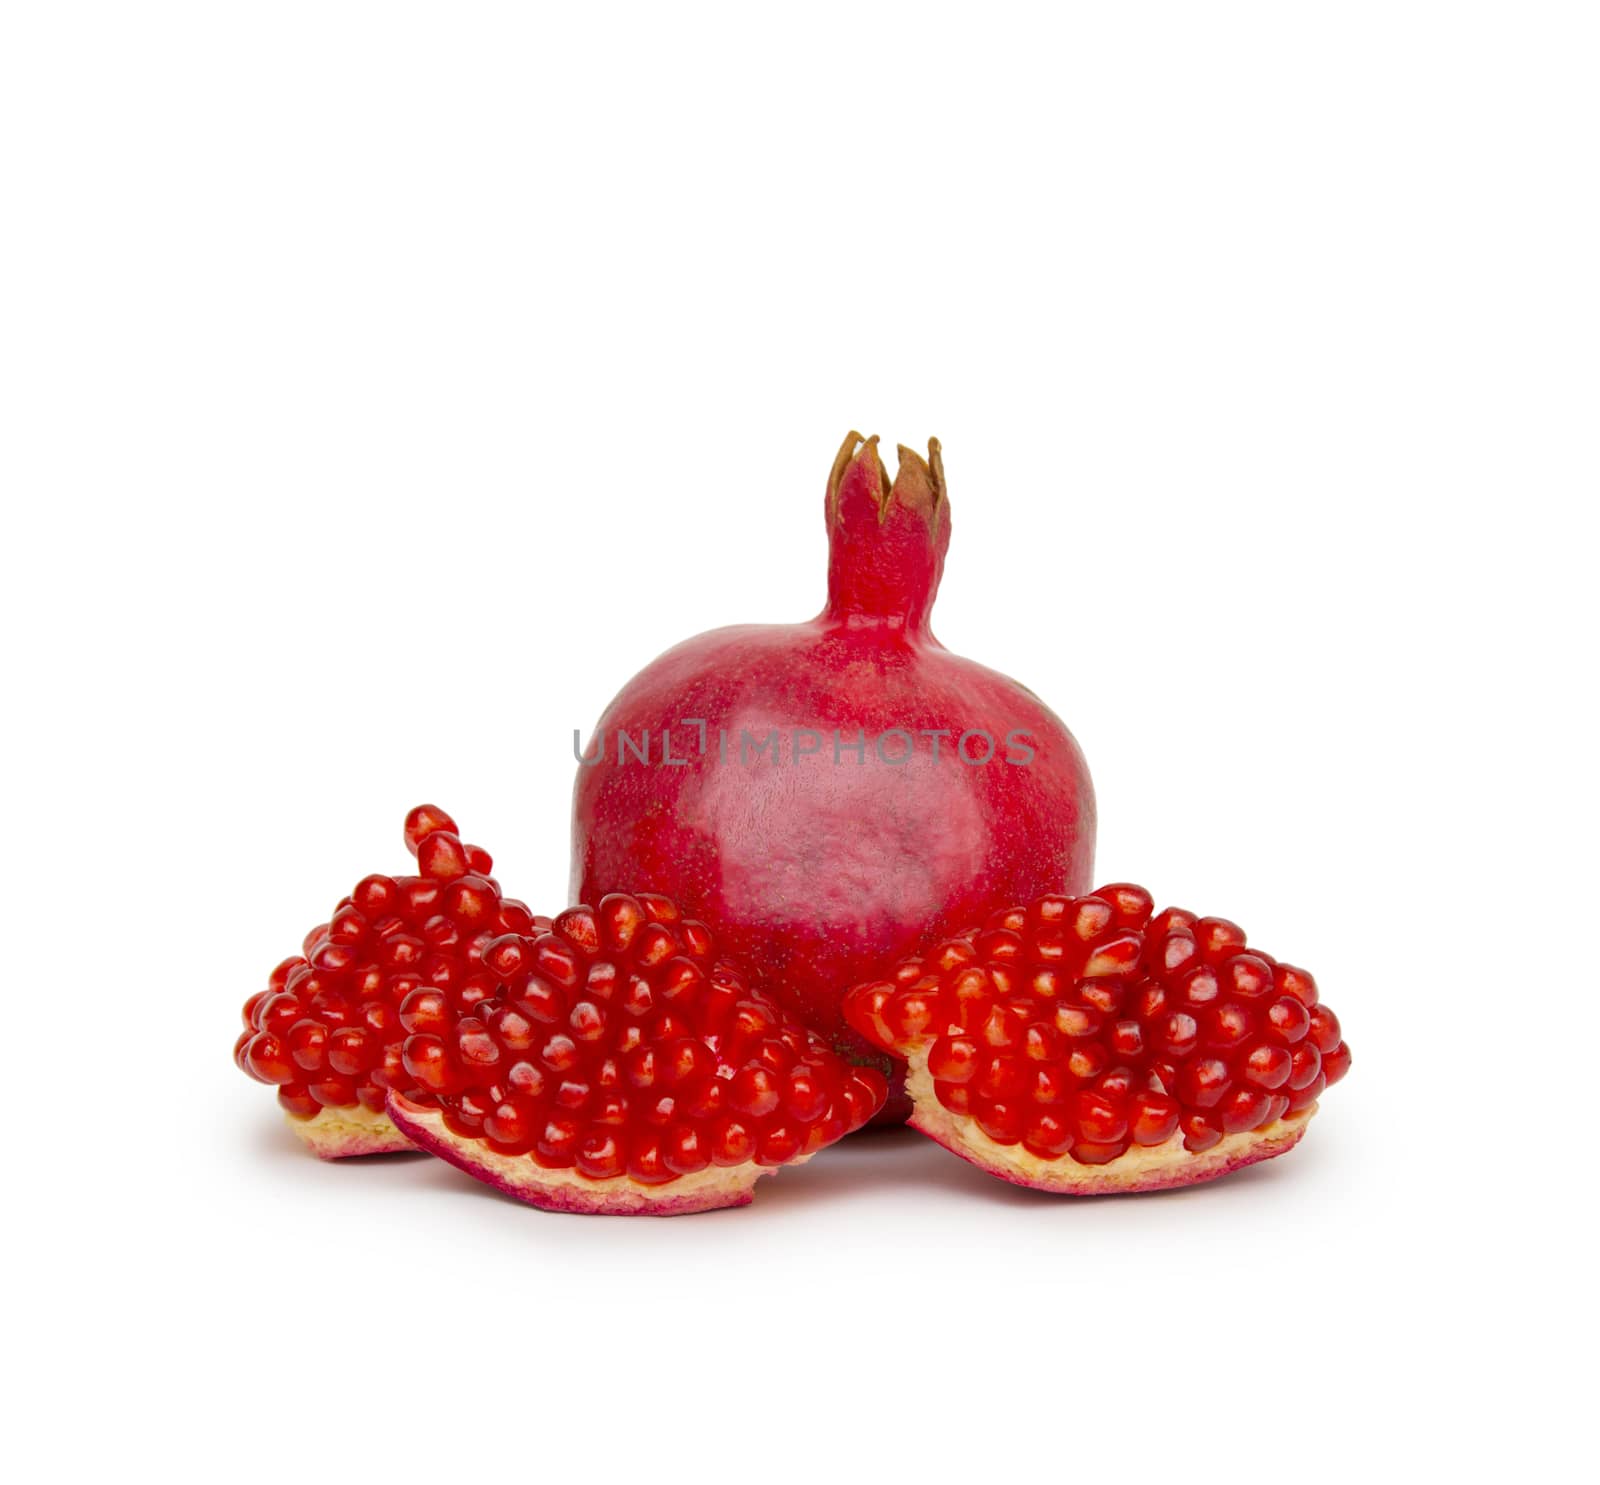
833	795
328	1028
1082	1045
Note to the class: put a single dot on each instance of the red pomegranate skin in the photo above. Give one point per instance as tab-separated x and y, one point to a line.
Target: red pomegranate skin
817	870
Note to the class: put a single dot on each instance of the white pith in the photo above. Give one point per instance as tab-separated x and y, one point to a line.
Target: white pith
1130	1171
348	1131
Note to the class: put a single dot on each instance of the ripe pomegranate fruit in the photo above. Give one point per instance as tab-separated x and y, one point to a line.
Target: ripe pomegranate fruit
1080	1044
830	796
327	1029
622	1068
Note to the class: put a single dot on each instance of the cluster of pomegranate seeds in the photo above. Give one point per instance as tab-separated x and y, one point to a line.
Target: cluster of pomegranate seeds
1086	1026
612	1049
328	1027
618	1045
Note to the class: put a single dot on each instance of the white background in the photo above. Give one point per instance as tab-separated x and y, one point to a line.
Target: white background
383	385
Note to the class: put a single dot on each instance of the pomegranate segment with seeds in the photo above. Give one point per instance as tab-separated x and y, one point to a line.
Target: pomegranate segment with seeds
621	1067
1087	1044
327	1030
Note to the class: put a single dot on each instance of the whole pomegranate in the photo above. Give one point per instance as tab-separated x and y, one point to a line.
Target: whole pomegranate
836	795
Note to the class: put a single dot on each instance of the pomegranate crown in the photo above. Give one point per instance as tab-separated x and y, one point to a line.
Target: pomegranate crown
886	539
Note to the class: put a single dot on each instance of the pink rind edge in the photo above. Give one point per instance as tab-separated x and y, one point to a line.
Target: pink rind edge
1191	1171
650	1201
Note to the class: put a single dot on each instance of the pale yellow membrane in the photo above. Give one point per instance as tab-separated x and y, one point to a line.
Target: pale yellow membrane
332	1133
1134	1170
